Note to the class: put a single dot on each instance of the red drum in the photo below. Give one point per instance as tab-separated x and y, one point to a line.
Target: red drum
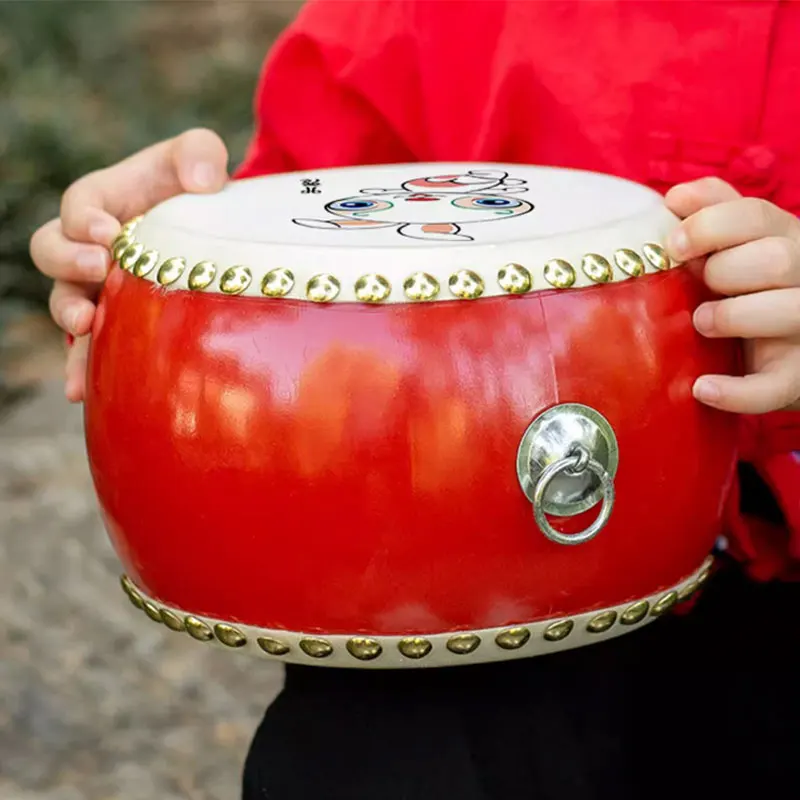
414	415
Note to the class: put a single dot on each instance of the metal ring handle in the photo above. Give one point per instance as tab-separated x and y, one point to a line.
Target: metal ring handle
570	465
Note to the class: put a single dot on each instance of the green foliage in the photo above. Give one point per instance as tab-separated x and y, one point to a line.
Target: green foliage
84	84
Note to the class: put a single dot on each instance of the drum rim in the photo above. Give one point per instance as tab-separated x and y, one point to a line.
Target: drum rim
437	649
271	281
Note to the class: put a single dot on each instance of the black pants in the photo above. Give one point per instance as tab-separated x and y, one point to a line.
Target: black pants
704	705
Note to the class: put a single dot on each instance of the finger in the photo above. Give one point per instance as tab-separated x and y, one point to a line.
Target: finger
771	263
763	315
759	393
65	260
72	308
686	199
729	224
75	388
196	161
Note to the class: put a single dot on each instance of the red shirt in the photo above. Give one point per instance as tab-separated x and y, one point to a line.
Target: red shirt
657	92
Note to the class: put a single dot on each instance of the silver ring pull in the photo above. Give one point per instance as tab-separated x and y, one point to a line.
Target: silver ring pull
566	464
575	464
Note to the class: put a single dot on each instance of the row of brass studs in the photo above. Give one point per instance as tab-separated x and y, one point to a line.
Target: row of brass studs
374	288
413	647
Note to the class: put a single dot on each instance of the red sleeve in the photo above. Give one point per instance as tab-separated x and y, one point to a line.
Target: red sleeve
311	112
771	444
353	82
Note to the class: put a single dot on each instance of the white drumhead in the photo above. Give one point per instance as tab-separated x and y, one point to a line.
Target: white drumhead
393	222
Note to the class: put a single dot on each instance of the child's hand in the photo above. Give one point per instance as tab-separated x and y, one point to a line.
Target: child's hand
754	250
73	249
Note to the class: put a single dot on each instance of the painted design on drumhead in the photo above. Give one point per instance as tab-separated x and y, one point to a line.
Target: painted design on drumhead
433	208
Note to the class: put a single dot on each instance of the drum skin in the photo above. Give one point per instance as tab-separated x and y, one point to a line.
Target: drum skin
346	468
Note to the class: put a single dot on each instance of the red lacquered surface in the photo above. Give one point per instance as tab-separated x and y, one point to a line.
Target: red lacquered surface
343	468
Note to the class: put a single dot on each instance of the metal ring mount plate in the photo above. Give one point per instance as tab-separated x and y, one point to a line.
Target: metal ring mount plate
551	437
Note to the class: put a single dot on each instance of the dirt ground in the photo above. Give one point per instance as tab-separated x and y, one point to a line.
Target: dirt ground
96	702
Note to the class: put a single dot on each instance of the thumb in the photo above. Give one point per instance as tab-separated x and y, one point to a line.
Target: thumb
200	161
195	161
686	199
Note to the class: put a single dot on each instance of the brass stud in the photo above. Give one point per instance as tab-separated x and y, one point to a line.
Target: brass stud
420	287
635	613
152	611
559	273
466	284
274	647
316	648
322	289
463	643
657	256
687	591
514	279
414	647
121	244
629	262
602	622
230	636
664	604
145	264
172	621
130	226
133	594
235	280
170	271
202	276
277	283
131	256
513	638
559	630
198	629
364	649
372	288
596	268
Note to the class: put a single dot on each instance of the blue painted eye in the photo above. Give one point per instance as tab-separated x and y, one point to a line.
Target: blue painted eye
355	205
359	205
495	202
499	205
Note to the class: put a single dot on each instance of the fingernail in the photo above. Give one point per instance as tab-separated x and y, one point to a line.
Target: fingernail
678	243
204	175
704	319
93	264
706	390
103	231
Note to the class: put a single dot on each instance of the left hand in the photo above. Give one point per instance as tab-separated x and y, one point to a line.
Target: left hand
753	250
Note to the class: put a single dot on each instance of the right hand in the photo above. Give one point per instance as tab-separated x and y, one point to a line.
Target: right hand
74	248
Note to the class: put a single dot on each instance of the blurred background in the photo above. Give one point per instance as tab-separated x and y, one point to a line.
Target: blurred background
95	703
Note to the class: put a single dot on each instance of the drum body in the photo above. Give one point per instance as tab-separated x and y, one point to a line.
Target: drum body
349	480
